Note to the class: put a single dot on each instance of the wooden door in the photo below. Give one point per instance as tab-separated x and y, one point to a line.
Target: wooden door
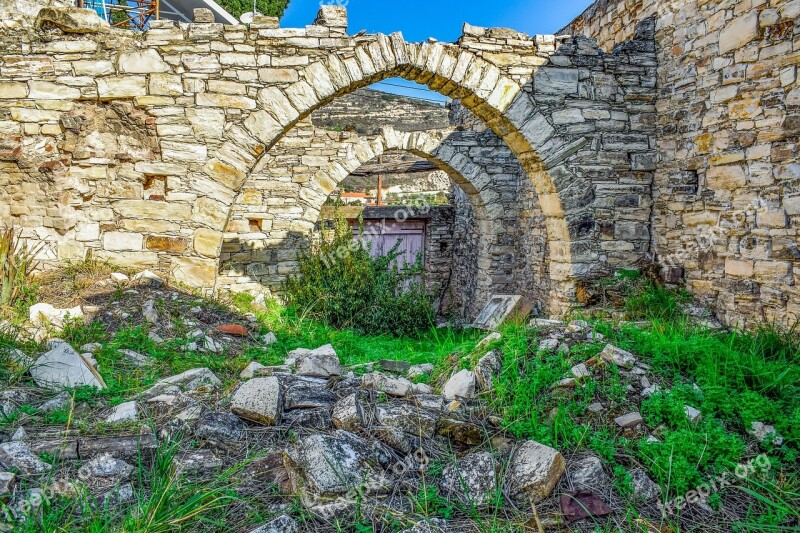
383	234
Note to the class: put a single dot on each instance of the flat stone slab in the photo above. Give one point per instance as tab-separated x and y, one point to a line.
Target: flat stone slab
407	418
18	456
63	367
629	420
502	307
322	362
326	466
534	471
258	400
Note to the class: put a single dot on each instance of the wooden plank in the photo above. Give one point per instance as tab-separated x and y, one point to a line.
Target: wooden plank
400	167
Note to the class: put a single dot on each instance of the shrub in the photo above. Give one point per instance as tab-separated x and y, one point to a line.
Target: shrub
17	261
339	282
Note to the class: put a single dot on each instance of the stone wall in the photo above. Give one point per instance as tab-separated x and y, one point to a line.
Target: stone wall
259	249
727	188
207	102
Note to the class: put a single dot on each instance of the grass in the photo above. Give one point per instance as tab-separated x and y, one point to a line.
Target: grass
733	378
294	330
170	502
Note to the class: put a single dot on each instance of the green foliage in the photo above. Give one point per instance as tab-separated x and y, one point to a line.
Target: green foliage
623	481
170	503
340	283
271	8
650	301
744	377
17	262
690	452
428	502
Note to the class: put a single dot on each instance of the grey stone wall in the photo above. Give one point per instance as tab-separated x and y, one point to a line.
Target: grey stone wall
727	187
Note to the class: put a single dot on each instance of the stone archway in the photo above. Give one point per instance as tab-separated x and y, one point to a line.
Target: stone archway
255	256
480	85
216	98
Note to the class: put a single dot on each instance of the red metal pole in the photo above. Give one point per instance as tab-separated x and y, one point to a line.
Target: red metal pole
378	200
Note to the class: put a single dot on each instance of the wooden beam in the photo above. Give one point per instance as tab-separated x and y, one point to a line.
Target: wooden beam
401	167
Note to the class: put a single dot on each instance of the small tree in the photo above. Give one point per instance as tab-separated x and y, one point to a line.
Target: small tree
17	262
338	281
271	8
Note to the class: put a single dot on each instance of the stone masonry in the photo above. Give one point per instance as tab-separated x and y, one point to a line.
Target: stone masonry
257	252
202	104
727	188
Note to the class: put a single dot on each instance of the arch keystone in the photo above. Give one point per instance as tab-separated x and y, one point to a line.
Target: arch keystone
398	44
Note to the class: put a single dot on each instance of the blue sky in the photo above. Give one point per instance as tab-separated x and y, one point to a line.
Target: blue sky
441	19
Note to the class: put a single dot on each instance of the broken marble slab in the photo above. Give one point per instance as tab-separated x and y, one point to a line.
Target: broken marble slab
500	308
63	367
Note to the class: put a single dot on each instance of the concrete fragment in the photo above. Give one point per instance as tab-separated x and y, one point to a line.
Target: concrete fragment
61	401
149	312
104	471
123	412
323	467
347	413
7	480
629	420
43	314
692	414
643	487
407	418
251	370
135	358
472	479
195	379
618	356
219	427
148	279
588	473
416	371
488	369
19	457
764	432
398	387
279	524
500	308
